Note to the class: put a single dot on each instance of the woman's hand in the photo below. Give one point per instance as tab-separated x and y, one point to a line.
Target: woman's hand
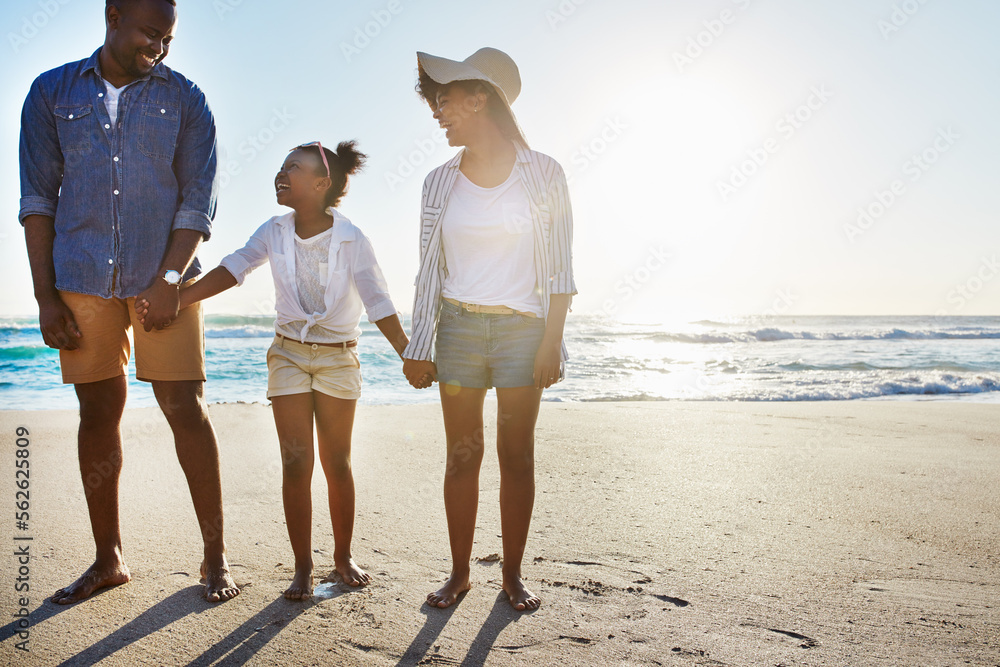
547	362
420	374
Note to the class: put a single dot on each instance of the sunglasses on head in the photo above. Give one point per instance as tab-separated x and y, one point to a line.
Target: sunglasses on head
322	154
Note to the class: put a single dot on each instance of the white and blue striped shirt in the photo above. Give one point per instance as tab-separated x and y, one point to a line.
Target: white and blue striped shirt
552	224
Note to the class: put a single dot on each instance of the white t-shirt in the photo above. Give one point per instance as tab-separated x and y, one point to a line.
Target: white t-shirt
111	99
312	272
489	246
353	283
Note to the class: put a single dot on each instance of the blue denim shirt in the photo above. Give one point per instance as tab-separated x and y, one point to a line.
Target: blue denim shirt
116	192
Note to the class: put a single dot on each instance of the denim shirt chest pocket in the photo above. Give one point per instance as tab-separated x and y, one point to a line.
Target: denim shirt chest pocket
74	126
159	124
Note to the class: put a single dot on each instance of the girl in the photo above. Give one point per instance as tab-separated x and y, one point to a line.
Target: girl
494	286
325	274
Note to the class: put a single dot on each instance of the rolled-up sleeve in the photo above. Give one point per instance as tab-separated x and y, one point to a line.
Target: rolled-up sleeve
251	256
369	280
561	248
41	160
196	165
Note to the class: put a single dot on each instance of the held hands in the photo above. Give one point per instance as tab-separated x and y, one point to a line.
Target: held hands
547	362
158	306
58	325
420	374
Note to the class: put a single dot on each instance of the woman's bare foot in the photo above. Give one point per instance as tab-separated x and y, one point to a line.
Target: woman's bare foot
448	594
219	584
351	573
302	585
520	597
98	576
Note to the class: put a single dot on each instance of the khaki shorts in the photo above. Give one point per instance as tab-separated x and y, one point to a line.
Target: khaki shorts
299	368
175	353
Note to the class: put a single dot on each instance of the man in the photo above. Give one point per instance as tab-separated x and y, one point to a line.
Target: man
118	162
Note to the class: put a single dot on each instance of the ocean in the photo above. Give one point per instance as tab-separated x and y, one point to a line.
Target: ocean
779	358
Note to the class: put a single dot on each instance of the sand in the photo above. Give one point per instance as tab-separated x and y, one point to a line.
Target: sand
856	533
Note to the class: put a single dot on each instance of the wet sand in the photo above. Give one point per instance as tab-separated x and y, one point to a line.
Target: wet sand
855	533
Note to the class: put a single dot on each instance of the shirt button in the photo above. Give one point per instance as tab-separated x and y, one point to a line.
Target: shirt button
116	192
71	116
107	127
111	261
163	111
100	94
116	158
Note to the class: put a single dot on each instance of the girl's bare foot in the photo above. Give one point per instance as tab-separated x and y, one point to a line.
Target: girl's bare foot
448	594
99	575
351	573
520	597
219	584
302	585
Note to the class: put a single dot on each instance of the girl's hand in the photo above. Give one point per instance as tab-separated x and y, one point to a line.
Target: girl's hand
547	362
142	305
420	374
141	309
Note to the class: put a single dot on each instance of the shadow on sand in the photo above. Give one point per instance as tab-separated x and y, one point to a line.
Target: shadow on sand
500	617
235	649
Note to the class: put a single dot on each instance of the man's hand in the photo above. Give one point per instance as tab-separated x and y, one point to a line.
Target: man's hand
162	303
547	361
420	374
58	324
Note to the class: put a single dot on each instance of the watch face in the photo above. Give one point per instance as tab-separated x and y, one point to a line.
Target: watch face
172	277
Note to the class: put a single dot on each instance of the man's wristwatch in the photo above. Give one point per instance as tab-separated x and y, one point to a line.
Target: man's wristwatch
172	278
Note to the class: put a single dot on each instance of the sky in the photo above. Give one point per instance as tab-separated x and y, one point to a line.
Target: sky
725	157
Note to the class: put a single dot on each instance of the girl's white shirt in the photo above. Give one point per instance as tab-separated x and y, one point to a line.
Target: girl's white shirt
354	284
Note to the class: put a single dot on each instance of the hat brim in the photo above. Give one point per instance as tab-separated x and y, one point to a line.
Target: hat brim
445	71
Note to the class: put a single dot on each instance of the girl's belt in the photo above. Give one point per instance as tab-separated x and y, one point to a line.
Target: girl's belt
350	343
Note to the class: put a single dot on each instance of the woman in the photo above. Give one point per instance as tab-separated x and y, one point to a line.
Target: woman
493	290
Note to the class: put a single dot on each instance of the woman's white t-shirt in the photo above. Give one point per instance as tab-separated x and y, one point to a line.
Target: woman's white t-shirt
489	247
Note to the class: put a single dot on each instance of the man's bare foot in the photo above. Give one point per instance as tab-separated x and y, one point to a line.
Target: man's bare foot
219	584
352	574
302	585
97	576
520	597
448	594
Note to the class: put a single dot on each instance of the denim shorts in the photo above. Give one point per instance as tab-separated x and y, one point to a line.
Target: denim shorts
481	351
